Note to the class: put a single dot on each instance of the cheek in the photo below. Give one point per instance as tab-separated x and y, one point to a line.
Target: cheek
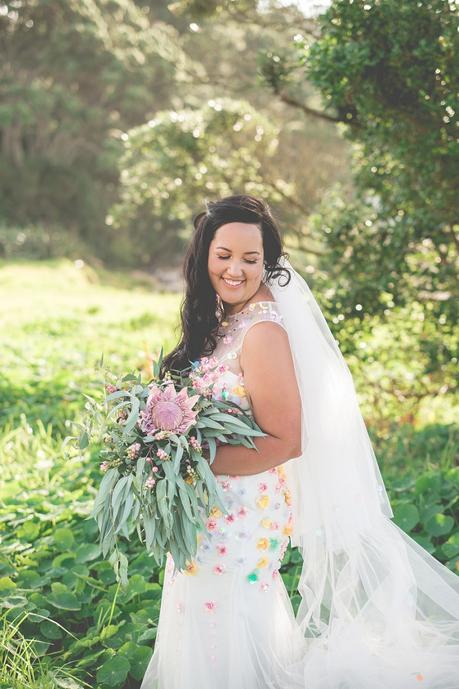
255	272
212	266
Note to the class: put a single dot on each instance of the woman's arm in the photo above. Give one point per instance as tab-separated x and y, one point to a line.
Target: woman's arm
270	380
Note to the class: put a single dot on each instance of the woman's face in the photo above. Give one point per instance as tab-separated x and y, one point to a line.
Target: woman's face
235	263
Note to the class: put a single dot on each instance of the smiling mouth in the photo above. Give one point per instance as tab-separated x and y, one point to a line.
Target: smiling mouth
232	283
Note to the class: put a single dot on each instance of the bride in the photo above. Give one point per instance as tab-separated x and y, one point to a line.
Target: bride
377	611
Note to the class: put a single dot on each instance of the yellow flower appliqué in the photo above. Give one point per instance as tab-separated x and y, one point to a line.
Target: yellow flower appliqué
266	523
216	512
191	567
263	502
263	562
239	391
262	544
281	471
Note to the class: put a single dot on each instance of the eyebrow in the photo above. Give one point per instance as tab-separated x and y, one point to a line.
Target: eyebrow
245	252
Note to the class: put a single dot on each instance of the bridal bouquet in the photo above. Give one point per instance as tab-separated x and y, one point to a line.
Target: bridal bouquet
156	479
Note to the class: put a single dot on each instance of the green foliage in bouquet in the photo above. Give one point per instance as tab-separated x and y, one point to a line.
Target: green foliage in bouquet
157	480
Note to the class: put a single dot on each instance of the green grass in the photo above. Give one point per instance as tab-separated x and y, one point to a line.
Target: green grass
58	318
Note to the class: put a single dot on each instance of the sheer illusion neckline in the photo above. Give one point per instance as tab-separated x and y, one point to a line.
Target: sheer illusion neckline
250	307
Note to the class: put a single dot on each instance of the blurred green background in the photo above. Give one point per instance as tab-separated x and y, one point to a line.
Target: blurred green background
118	119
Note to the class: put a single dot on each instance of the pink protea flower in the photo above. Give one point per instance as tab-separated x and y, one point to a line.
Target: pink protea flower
168	410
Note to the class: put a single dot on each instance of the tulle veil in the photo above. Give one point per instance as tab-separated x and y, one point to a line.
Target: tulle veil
377	610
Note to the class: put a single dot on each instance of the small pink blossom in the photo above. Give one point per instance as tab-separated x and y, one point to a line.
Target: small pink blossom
162	454
133	451
195	443
210	605
242	512
150	482
230	518
110	388
154	469
104	466
219	569
122	416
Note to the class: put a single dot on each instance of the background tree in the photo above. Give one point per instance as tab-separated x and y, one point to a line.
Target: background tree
73	76
387	70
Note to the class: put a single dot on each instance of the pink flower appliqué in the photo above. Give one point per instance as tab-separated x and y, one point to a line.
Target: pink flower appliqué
262	487
219	569
222	549
211	525
168	410
210	605
242	512
230	518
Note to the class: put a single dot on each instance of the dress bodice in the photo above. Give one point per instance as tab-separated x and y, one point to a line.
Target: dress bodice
230	337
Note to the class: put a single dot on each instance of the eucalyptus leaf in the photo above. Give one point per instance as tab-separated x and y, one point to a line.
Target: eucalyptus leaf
207	422
185	500
133	416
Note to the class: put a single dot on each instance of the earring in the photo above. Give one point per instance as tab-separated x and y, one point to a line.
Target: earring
220	304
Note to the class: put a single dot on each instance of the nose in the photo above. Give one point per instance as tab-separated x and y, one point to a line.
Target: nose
233	271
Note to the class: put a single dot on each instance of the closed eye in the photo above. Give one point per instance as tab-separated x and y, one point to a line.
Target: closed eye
223	258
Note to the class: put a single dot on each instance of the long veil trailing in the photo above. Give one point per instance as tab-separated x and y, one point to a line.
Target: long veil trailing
377	610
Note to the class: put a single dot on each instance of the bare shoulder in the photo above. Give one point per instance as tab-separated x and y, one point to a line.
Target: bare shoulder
265	342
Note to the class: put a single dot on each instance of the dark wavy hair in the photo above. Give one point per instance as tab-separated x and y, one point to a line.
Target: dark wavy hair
199	311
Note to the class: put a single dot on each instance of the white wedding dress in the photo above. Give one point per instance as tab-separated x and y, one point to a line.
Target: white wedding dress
228	623
225	621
